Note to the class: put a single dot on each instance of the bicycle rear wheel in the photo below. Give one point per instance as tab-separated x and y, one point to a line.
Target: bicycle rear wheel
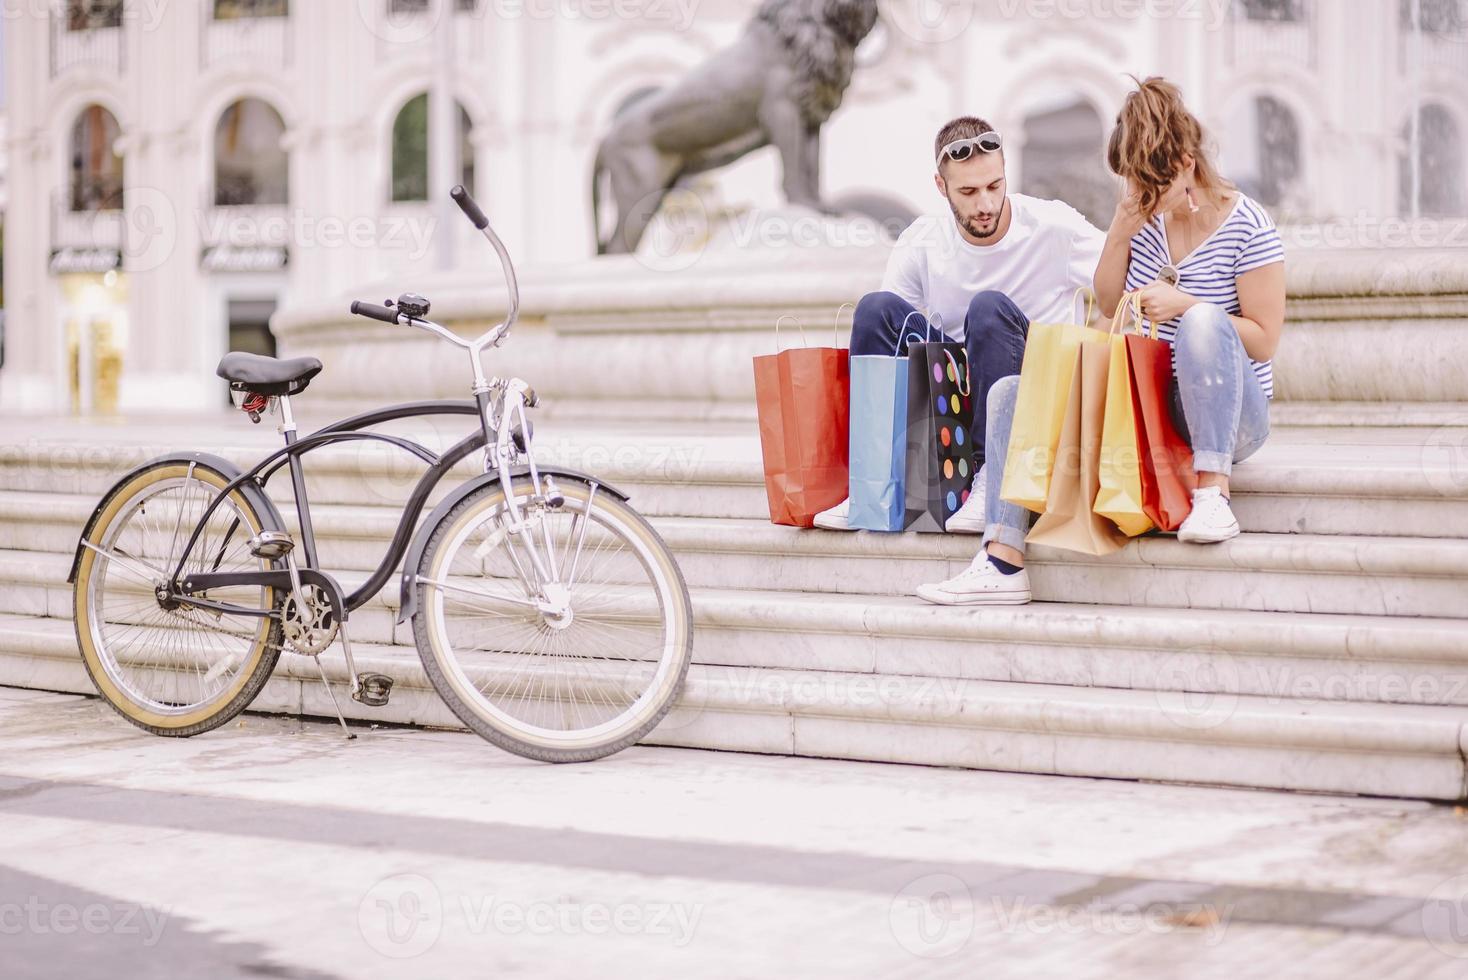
566	662
171	668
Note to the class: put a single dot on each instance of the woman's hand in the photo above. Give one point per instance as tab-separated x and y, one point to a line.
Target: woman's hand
1161	302
1128	219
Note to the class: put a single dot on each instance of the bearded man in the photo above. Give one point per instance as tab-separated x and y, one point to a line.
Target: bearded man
980	273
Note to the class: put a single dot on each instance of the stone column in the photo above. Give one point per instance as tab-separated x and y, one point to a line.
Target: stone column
34	376
166	356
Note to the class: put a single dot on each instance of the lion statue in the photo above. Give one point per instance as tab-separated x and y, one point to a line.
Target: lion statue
778	84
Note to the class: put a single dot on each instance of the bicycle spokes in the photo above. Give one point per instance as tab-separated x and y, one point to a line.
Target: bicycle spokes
556	620
161	650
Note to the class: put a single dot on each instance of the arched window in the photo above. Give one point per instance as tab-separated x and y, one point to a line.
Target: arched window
86	15
1262	152
244	9
1279	149
251	165
421	6
410	150
1448	18
1275	10
1063	153
96	166
1439	187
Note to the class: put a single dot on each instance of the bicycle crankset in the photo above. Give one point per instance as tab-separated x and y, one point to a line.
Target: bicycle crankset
309	630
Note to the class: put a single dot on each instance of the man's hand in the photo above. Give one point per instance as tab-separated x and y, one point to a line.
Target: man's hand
1161	302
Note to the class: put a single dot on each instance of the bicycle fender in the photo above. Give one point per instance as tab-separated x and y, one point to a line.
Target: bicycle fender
270	518
408	597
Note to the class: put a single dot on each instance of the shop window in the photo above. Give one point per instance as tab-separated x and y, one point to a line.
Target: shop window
251	166
96	165
410	151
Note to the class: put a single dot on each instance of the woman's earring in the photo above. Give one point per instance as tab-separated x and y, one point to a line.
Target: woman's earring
1192	204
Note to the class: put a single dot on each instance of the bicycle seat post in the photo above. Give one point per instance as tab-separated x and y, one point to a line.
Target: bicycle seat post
298	482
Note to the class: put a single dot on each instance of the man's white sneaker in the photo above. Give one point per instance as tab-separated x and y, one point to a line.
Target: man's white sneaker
969	519
835	519
981	584
1211	521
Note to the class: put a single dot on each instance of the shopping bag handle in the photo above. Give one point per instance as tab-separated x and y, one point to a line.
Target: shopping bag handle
959	378
922	338
836	327
1133	302
1090	303
790	316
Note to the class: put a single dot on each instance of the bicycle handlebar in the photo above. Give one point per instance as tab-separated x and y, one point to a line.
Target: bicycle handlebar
384	313
470	208
496	335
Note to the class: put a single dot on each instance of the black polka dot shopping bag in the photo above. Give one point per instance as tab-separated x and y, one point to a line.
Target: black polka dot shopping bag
940	442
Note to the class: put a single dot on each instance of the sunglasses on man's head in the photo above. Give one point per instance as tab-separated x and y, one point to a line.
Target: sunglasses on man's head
960	150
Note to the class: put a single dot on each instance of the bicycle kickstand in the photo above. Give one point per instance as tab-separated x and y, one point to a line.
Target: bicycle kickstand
351	674
332	694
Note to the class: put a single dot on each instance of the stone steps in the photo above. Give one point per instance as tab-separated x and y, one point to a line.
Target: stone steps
1376	749
1278	656
1397	482
1270	572
1322	650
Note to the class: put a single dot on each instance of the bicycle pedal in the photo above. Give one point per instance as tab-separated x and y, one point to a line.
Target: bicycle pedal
373	690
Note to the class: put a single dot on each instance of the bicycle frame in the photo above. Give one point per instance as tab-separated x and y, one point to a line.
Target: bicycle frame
289	456
499	404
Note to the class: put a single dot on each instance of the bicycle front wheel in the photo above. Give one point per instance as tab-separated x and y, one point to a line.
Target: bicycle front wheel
565	647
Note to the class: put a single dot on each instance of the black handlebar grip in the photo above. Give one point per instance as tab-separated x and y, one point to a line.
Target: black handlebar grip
469	207
384	313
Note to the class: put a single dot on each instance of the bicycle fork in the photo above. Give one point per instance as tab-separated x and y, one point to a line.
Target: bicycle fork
539	570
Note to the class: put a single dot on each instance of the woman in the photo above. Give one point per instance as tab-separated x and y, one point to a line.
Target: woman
1210	268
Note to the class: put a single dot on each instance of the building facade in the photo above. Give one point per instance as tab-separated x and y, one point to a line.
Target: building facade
179	170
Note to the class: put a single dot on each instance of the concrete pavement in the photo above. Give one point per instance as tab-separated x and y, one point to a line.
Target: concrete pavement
275	846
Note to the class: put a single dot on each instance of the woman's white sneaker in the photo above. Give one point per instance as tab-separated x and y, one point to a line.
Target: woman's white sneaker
982	584
969	519
1211	521
835	519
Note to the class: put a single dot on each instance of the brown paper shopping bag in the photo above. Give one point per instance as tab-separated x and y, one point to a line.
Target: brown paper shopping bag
1069	521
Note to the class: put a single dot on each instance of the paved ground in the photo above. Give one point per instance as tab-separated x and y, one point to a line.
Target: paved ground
277	848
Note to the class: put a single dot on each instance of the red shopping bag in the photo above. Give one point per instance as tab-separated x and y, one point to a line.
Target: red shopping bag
1168	479
804	401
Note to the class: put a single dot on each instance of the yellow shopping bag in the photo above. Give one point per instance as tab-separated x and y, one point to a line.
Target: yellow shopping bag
1069	521
1052	351
1120	497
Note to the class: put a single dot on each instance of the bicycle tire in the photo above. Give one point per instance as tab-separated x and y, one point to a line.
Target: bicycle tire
99	653
453	685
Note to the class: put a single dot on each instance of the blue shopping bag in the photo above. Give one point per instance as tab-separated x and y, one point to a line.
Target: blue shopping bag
878	452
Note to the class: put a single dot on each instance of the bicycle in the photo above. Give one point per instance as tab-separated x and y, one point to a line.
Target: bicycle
547	613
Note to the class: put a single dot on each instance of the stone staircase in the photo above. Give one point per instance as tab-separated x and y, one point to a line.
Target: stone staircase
1326	649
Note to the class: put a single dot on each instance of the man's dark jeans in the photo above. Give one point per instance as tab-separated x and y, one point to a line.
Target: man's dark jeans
994	330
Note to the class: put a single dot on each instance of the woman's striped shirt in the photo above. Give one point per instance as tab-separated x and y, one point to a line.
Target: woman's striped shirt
1247	240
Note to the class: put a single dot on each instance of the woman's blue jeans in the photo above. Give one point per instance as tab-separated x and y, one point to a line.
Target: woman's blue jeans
1218	405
